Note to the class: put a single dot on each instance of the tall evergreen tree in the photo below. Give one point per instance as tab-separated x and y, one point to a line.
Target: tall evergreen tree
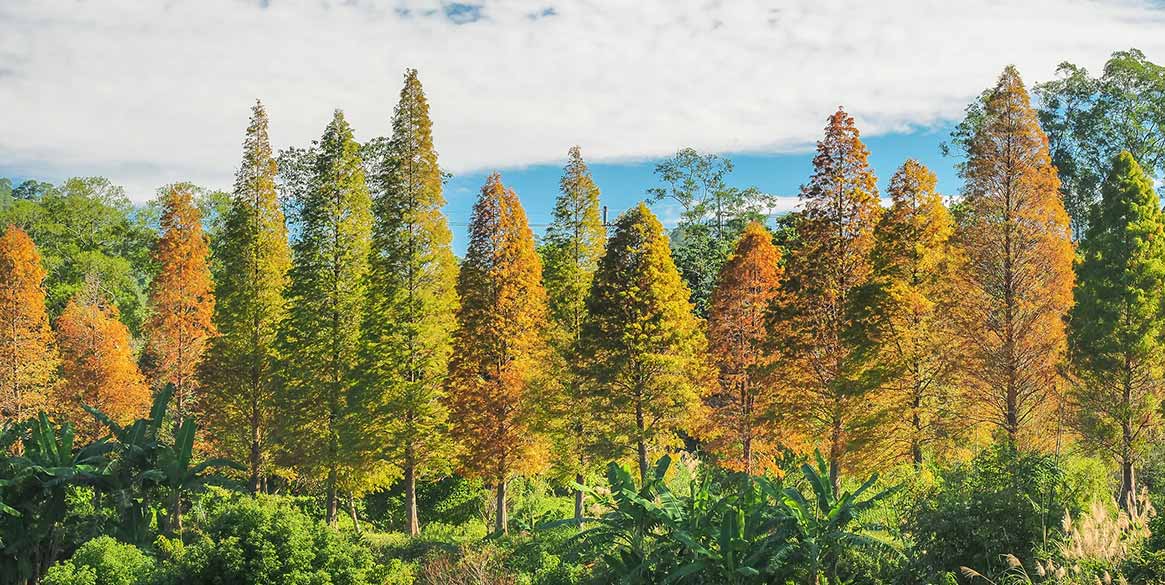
641	346
1116	326
28	355
253	257
571	250
97	364
320	338
410	313
830	260
499	345
904	309
1015	285
182	301
738	329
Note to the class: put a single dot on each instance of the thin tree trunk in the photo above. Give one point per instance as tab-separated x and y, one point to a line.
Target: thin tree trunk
332	502
641	442
501	519
412	524
578	499
256	460
352	510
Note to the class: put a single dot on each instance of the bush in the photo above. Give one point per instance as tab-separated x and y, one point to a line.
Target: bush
1001	502
268	540
102	561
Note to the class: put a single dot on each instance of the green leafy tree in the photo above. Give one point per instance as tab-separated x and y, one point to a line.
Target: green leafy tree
320	338
1090	120
1115	328
574	242
412	298
251	258
713	215
642	349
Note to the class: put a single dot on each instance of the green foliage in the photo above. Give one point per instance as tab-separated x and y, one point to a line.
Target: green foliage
1001	502
1090	120
102	561
266	540
87	226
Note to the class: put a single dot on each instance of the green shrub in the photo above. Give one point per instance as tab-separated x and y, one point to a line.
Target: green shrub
268	540
102	561
1001	502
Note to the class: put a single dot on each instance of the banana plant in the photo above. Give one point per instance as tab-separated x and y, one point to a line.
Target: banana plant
824	527
178	477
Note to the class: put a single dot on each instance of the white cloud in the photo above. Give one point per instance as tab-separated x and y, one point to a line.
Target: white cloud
148	92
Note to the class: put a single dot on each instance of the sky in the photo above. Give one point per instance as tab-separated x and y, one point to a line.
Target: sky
153	92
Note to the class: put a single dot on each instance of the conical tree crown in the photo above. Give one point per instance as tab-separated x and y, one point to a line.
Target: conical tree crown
1122	272
573	245
27	351
500	339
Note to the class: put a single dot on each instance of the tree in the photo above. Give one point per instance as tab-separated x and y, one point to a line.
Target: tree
97	363
1116	325
253	258
571	250
412	299
642	349
825	391
28	356
713	216
182	301
499	344
1015	284
320	338
738	329
903	311
1090	120
83	227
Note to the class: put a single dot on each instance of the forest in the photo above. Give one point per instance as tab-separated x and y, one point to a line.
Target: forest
299	381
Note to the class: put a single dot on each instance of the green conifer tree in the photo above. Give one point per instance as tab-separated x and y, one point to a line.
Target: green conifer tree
642	348
571	250
320	339
409	316
252	257
1116	326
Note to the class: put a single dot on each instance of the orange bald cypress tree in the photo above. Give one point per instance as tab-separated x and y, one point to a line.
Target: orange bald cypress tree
28	358
181	299
737	331
831	259
499	344
1016	283
98	364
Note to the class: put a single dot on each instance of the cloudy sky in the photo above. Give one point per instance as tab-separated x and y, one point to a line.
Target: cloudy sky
150	92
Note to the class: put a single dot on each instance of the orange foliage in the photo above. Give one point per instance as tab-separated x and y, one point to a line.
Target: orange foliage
737	329
28	360
98	364
182	299
1016	282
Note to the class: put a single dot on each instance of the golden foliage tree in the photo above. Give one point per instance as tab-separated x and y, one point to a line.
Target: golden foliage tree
181	300
642	349
1015	285
499	344
251	251
905	313
98	364
738	329
824	390
28	357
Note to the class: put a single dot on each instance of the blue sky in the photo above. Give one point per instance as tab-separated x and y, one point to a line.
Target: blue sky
624	185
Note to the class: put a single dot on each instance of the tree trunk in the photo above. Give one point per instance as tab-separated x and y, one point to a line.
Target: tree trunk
174	522
352	510
835	451
412	524
578	499
256	461
501	519
332	502
916	421
1128	494
641	442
